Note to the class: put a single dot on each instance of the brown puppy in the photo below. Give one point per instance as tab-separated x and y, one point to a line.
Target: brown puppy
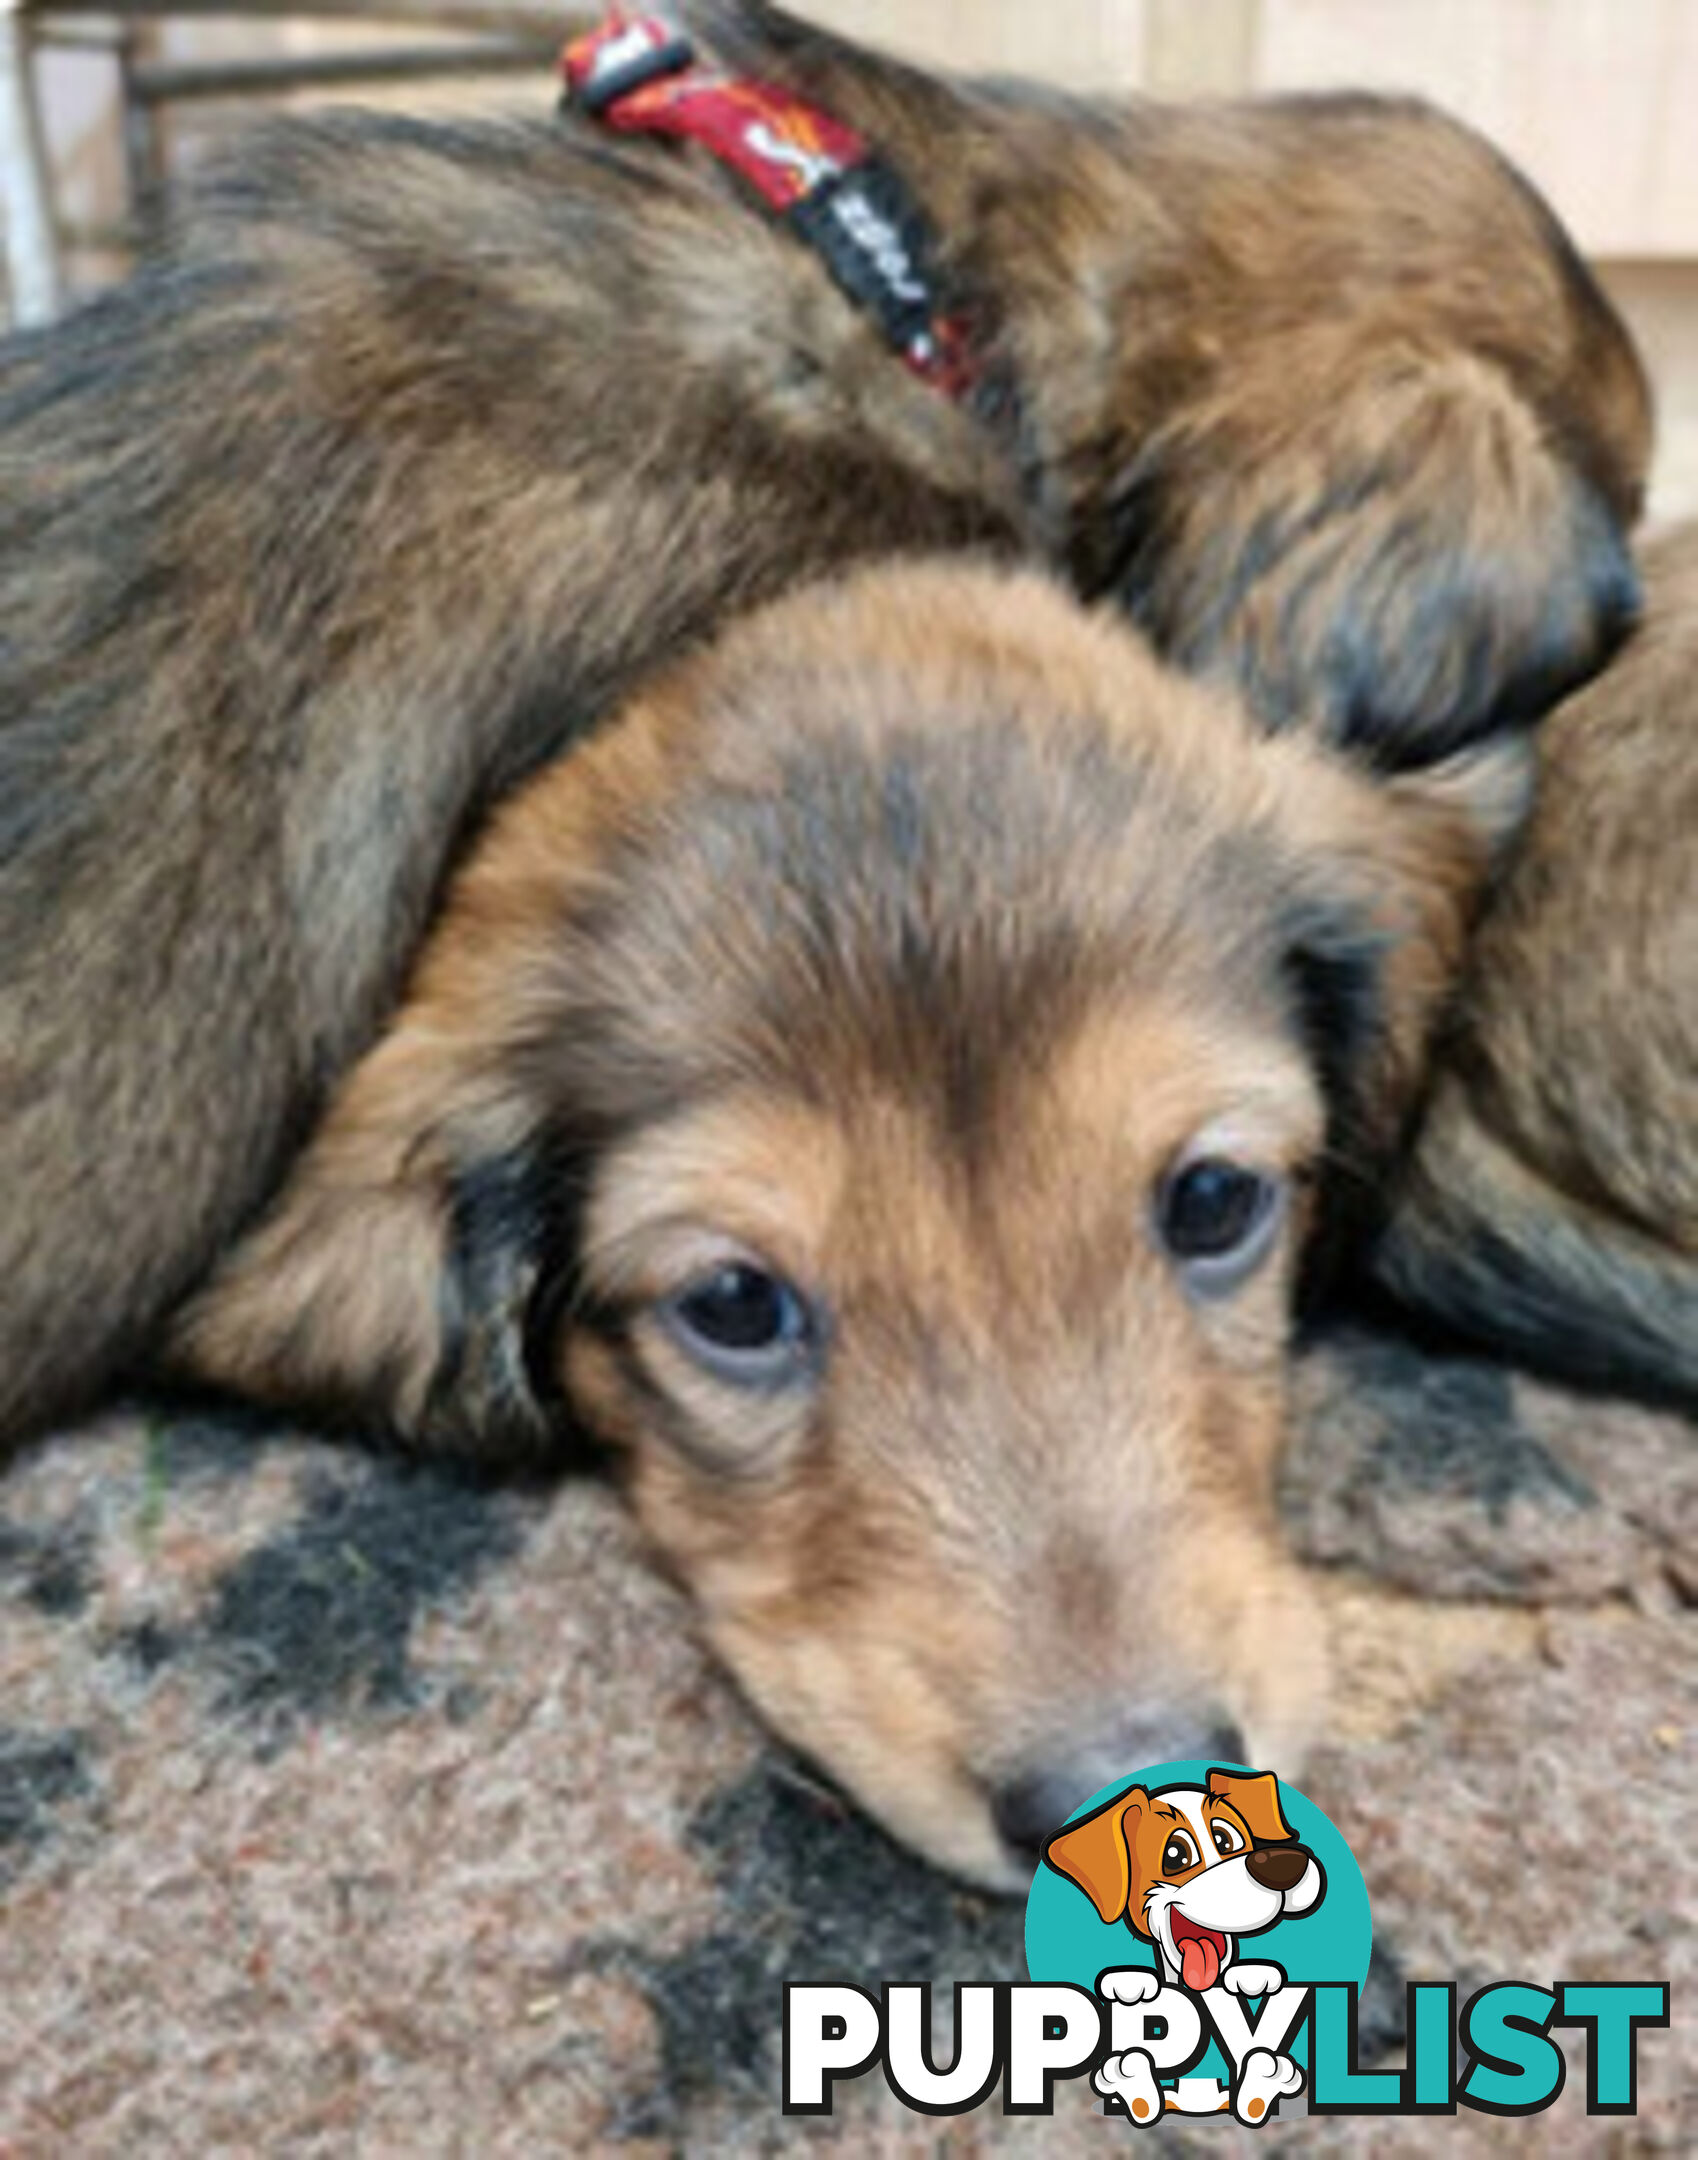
1552	1206
883	1086
416	445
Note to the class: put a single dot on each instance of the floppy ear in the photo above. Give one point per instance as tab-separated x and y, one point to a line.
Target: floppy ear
411	1273
1095	1853
1386	883
1255	1794
1400	555
396	1280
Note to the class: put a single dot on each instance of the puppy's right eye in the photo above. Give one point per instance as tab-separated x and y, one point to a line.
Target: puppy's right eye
744	1325
1218	1221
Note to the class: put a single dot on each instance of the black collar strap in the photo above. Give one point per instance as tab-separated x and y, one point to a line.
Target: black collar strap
640	75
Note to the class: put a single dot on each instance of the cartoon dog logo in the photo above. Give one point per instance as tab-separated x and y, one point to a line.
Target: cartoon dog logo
1192	1869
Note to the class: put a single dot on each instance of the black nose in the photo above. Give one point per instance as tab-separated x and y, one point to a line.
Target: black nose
1039	1796
1278	1867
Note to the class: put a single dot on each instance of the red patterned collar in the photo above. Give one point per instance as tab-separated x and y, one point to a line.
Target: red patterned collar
641	75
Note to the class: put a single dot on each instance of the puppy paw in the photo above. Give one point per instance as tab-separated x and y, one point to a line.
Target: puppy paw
1131	2079
1253	1979
1135	1985
1266	2079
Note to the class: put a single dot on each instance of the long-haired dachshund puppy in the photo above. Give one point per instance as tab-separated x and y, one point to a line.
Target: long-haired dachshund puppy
1552	1203
415	447
883	1087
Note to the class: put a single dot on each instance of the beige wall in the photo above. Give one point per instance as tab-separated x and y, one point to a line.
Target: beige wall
1598	99
1660	301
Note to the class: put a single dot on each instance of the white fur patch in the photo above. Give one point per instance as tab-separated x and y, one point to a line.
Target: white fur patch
1267	2078
1131	2079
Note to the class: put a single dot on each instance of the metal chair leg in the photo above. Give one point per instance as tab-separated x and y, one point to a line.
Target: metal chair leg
26	198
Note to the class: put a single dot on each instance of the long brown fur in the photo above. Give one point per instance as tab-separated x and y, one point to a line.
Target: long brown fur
904	945
1552	1204
416	445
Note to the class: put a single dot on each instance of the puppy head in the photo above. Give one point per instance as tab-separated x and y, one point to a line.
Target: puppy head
881	1087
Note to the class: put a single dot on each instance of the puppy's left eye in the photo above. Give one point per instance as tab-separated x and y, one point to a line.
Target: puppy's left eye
744	1324
1218	1221
1227	1839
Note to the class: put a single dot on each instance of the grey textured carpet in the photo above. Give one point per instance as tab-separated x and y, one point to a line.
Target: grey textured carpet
347	1807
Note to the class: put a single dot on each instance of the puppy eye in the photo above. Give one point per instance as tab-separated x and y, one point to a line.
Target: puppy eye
1226	1838
1178	1854
745	1325
1218	1221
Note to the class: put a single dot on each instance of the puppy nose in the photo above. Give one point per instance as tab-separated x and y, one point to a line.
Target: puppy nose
1038	1798
1029	1809
1278	1867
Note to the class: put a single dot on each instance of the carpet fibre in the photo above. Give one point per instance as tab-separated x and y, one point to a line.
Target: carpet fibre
353	1807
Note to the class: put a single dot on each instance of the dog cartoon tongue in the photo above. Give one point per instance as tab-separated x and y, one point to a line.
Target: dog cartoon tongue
1200	1952
1201	1962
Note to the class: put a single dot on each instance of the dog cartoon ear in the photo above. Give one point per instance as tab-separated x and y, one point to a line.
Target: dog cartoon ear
1255	1794
397	1281
1096	1853
1405	559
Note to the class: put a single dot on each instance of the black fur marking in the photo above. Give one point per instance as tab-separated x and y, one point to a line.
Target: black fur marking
1603	1329
1332	972
511	1283
318	1622
1332	969
498	1242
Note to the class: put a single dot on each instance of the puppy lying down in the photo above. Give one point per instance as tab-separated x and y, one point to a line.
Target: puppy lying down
883	1087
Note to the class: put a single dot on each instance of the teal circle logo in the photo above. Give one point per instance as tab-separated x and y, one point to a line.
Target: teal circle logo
1199	1876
